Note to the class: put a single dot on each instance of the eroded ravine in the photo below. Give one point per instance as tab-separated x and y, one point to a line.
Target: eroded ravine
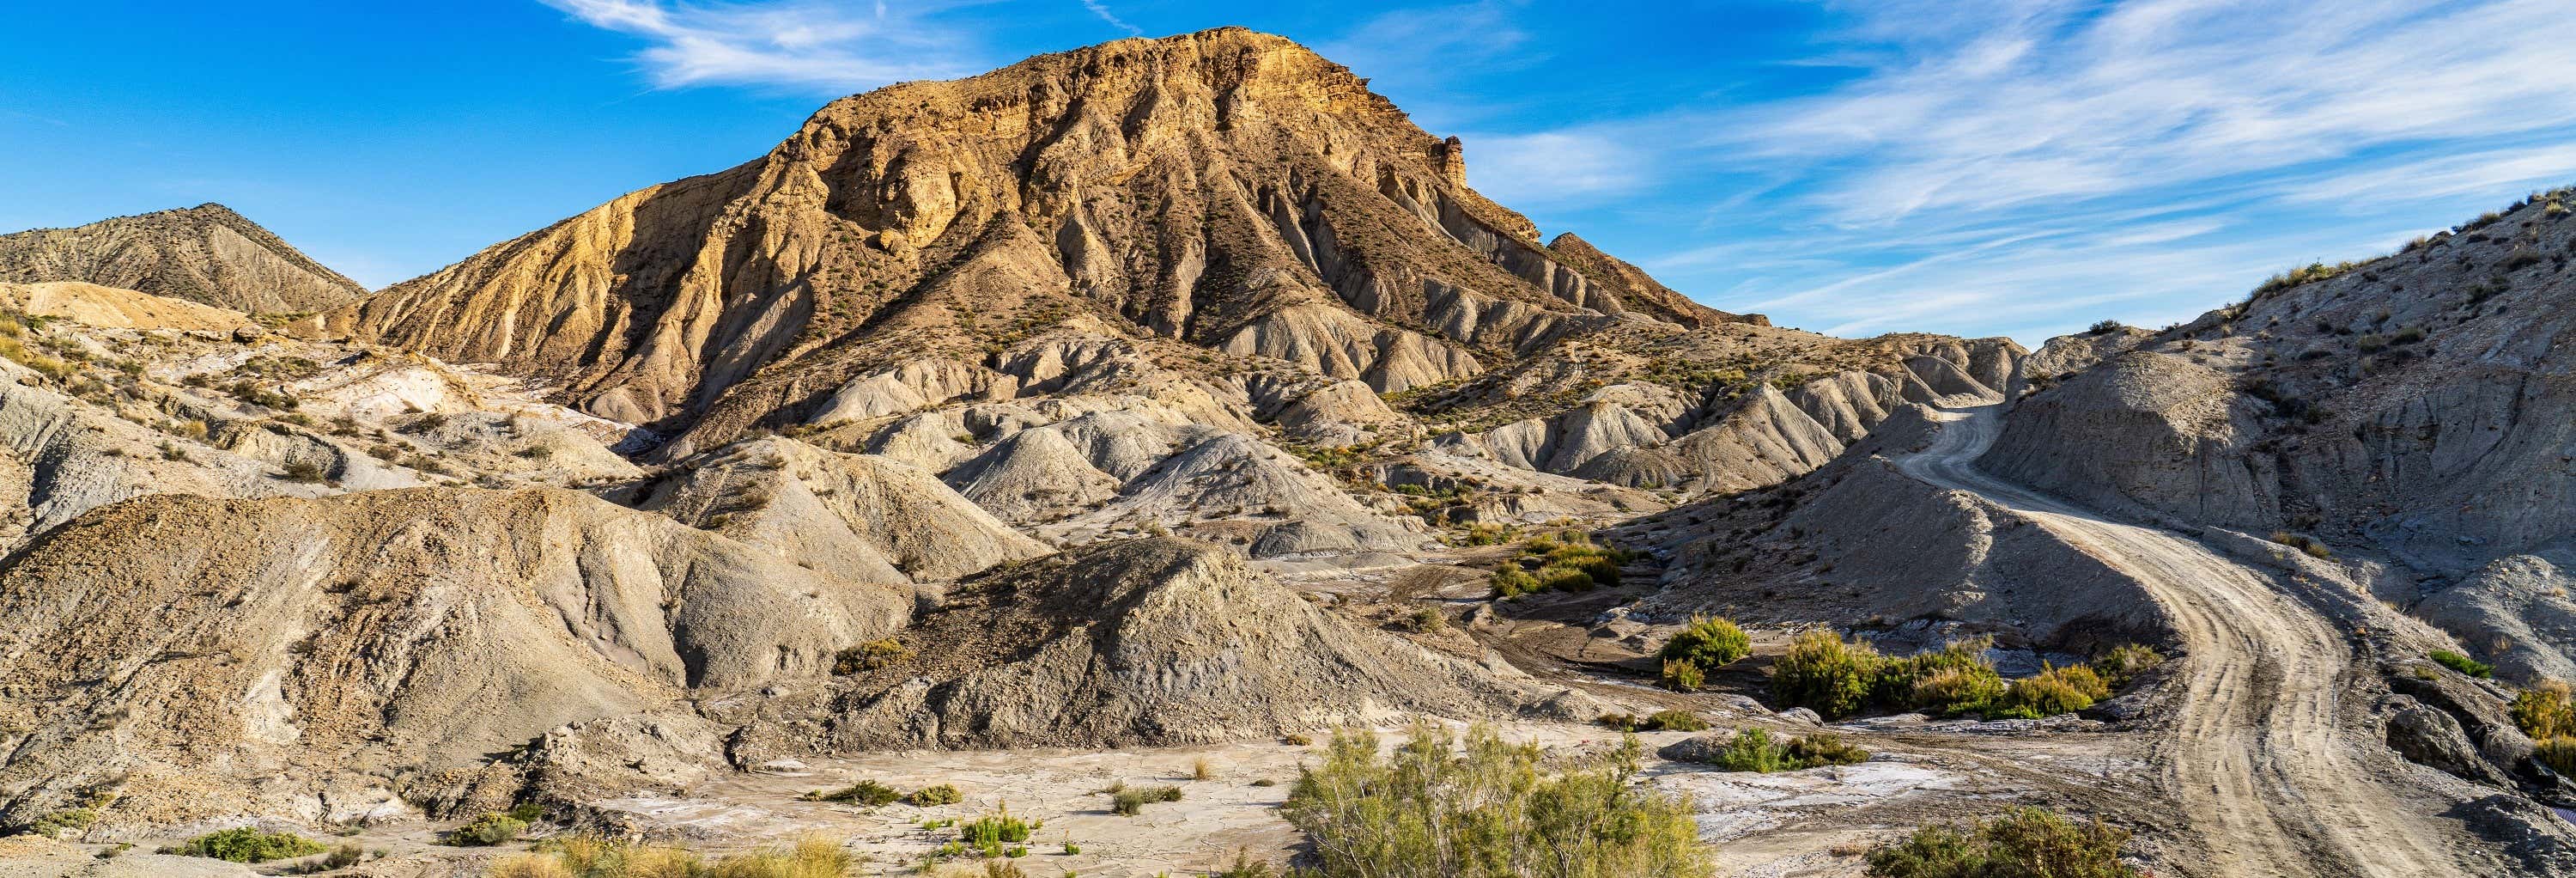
2255	753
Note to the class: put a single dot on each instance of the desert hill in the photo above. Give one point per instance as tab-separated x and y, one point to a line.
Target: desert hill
206	254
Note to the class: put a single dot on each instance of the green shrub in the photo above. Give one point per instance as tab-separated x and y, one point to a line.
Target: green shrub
934	796
2044	695
869	656
247	844
988	835
1561	577
1815	749
866	792
1708	644
1753	750
1823	673
1511	581
2557	753
489	829
1682	676
1429	809
2023	843
1758	750
2463	664
2545	710
2126	661
1953	691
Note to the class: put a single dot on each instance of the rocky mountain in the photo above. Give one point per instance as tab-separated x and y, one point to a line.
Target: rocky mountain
206	254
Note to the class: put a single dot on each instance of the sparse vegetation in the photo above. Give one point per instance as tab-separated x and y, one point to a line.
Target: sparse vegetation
593	857
1430	810
2022	843
2310	273
489	829
2463	664
933	796
248	844
2105	327
1759	750
1659	721
869	656
868	792
1835	678
1564	562
2314	547
1131	801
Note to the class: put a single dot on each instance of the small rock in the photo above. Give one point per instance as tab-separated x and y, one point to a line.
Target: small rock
248	333
1802	715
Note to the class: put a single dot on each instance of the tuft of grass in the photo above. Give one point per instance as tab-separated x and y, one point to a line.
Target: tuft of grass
934	796
869	656
489	829
2463	664
1131	801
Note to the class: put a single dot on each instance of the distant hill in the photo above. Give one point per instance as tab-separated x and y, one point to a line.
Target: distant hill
206	254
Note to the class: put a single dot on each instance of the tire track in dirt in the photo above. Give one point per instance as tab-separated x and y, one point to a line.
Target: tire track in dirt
2255	754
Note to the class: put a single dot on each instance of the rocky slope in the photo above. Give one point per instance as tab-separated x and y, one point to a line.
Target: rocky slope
206	254
2407	410
1228	189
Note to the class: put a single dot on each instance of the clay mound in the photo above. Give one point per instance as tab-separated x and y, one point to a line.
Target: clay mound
1860	543
205	254
2141	432
357	648
1241	491
1146	642
1037	475
861	517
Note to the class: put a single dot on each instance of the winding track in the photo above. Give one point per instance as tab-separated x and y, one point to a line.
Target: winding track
2255	756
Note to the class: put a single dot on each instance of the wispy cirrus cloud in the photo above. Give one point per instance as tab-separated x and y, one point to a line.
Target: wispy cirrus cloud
1101	11
2029	165
805	45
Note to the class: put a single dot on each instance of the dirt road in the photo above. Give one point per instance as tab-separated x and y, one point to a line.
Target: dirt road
2256	754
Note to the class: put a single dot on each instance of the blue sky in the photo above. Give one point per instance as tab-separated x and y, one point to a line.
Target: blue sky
2019	168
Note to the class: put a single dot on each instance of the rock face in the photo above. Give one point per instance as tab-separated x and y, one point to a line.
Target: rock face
176	643
1225	188
1155	641
206	254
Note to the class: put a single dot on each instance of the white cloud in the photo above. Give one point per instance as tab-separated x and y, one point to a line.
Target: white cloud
1536	170
800	44
1102	10
2074	100
2026	167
